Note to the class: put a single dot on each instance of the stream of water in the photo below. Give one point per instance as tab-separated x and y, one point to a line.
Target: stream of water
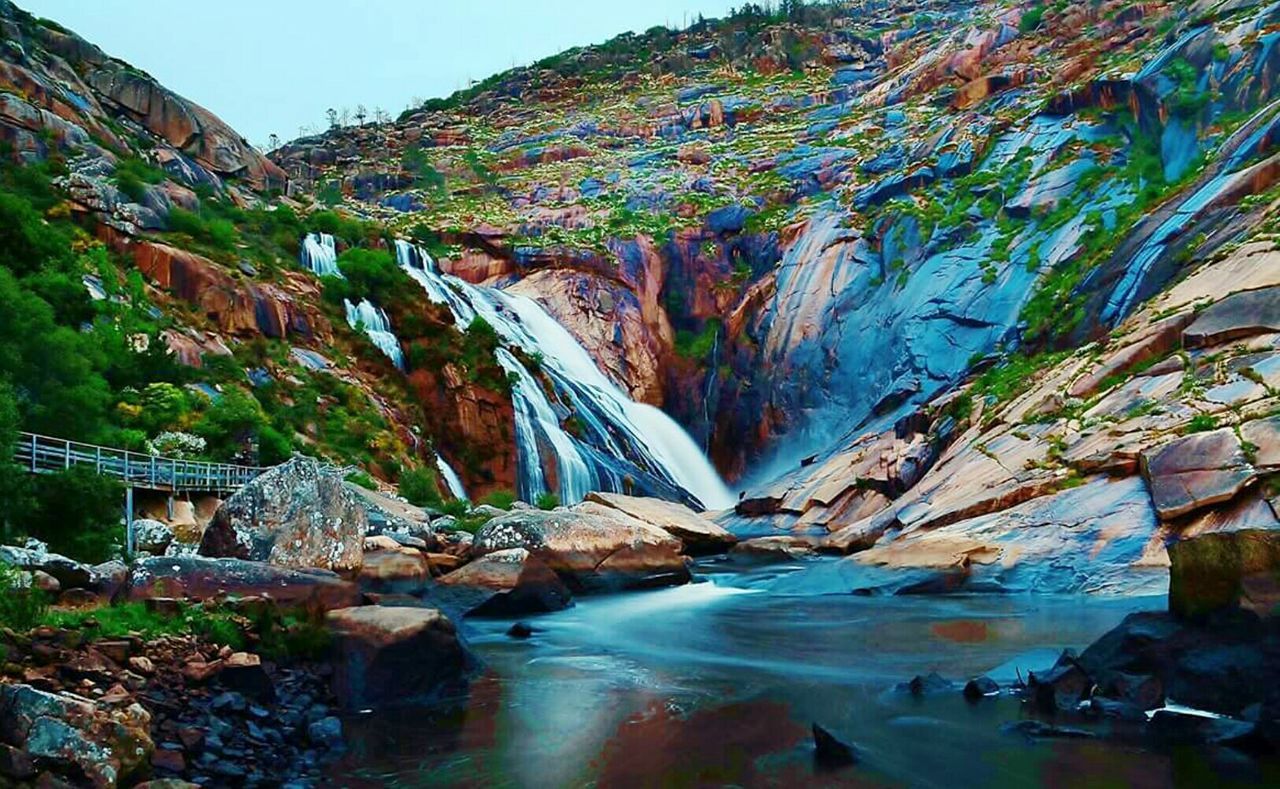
717	683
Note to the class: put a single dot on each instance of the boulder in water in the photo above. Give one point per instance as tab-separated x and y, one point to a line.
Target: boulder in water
510	582
699	535
1226	570
831	753
390	655
299	514
589	550
979	688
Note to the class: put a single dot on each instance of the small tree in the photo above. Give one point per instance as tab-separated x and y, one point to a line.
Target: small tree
361	114
332	115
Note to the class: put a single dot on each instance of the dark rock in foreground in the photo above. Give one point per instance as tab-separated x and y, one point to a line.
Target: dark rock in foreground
197	578
829	752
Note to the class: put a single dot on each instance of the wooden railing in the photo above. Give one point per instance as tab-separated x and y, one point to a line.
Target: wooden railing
45	454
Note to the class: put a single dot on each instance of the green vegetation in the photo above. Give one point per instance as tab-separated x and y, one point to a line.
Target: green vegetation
1201	423
419	486
133	175
547	501
21	607
1031	19
502	499
700	345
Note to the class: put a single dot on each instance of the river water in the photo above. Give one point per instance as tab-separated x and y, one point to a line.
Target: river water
717	682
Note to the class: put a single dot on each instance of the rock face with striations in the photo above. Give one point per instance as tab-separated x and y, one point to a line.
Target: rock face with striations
299	514
699	535
588	547
199	578
509	582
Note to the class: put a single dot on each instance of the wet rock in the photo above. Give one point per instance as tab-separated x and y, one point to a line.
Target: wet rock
1062	687
829	752
699	535
35	556
326	732
393	655
927	685
589	550
980	687
510	582
1177	727
1038	730
521	630
15	765
1220	571
780	548
198	578
299	514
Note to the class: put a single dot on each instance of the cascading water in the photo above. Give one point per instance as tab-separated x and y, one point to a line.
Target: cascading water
618	443
451	479
319	255
374	322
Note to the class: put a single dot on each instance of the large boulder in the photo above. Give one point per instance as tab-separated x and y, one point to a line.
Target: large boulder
299	514
589	549
199	578
510	582
74	737
394	654
699	534
35	556
1225	570
395	571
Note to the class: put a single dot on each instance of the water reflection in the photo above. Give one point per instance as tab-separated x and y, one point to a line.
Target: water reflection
716	683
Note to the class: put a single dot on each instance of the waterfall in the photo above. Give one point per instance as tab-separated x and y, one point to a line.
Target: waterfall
375	324
451	479
617	438
319	255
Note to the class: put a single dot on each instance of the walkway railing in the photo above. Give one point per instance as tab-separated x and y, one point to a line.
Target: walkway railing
45	454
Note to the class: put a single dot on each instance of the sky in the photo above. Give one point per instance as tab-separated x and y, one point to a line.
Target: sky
274	66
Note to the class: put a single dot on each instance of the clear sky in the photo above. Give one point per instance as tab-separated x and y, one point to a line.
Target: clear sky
274	66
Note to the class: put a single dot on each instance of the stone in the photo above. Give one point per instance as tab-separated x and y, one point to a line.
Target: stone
927	685
142	664
45	582
151	536
521	630
979	688
589	550
1196	471
777	548
397	571
829	752
1038	730
35	555
1175	727
299	514
243	672
326	732
197	578
1062	687
699	535
1238	315
510	582
15	765
1224	570
168	760
391	655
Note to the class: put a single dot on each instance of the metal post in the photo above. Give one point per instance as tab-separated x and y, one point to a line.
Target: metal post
66	454
33	454
129	545
169	505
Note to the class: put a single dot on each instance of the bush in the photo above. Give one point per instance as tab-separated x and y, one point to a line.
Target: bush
76	512
372	274
502	499
21	606
547	501
419	486
218	233
133	175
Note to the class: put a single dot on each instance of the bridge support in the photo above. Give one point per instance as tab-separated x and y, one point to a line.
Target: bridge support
130	546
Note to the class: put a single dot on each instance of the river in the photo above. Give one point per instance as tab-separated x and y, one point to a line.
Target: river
717	682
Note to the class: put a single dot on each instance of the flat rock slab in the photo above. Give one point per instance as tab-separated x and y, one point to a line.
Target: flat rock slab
699	534
1239	315
1196	471
200	578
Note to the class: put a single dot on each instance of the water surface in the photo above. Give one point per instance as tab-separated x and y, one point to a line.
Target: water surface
717	682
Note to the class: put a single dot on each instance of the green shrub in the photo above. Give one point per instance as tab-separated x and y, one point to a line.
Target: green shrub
419	486
133	175
218	233
76	512
362	479
372	274
1201	423
502	499
1031	19
547	501
21	607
